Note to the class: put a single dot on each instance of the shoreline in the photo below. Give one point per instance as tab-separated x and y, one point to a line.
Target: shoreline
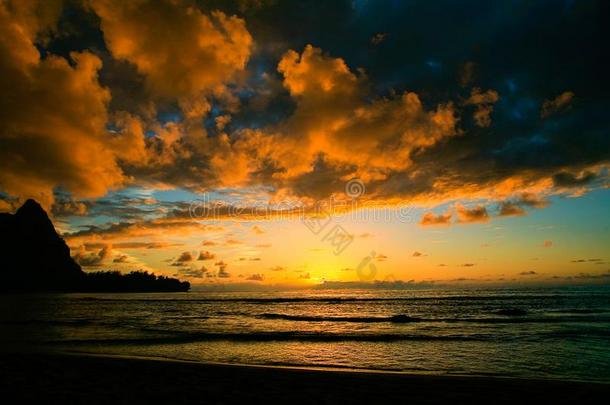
101	378
321	369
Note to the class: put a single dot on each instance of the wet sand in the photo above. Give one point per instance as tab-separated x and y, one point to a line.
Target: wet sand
69	378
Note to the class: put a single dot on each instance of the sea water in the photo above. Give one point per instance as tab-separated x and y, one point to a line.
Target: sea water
528	332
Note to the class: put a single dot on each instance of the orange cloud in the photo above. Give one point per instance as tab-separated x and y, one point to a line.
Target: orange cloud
467	73
233	242
123	233
511	209
206	255
550	107
222	269
132	245
532	200
181	51
121	259
381	257
515	206
567	179
67	208
336	133
430	219
484	102
53	114
185	257
476	214
256	277
92	259
257	230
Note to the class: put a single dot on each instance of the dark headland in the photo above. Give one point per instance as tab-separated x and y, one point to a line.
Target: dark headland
36	259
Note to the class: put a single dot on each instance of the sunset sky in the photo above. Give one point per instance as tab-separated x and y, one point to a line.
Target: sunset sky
236	143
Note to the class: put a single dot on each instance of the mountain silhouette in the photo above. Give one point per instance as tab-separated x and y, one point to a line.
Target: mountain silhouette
33	257
32	254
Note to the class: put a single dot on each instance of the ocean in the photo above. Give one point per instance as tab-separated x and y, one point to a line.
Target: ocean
555	333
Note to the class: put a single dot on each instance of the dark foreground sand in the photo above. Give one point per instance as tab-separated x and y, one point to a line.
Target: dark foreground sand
55	378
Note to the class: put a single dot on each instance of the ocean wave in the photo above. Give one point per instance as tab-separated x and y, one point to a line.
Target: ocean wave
358	319
290	336
396	319
274	336
511	312
337	300
508	316
580	311
53	322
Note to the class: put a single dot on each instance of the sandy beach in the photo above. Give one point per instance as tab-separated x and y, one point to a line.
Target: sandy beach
69	378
